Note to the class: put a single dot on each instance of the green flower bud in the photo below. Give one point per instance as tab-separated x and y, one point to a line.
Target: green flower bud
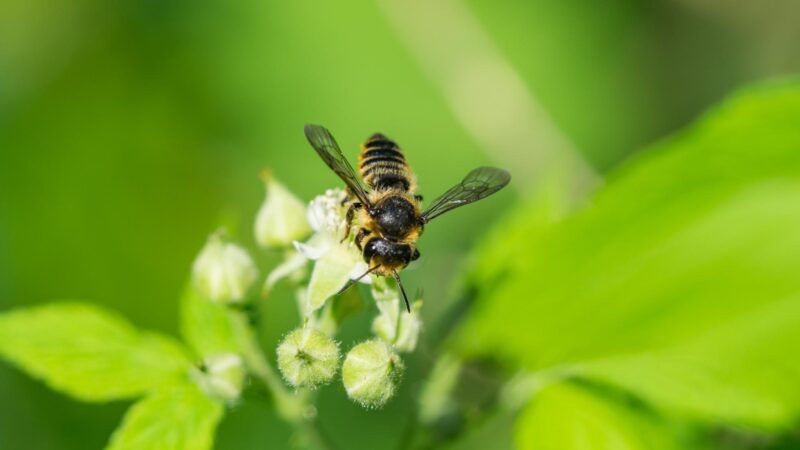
371	372
223	272
307	357
222	376
281	218
393	324
408	329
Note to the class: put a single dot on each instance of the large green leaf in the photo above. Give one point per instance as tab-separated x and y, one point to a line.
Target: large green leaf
742	372
174	418
686	253
567	417
89	353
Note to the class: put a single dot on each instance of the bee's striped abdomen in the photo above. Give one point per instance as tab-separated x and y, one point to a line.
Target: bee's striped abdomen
383	166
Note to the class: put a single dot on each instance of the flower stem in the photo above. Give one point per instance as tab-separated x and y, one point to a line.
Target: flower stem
293	407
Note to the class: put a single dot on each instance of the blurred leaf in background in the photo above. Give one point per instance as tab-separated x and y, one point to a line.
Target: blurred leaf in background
564	416
693	305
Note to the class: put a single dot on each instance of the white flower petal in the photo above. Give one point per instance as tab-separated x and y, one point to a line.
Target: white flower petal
359	270
326	212
292	264
311	251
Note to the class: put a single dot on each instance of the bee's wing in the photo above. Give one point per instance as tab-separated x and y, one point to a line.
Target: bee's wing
324	143
479	183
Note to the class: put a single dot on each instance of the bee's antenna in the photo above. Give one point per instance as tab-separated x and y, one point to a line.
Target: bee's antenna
352	282
405	297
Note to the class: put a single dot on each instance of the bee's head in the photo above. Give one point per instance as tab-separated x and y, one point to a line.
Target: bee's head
391	255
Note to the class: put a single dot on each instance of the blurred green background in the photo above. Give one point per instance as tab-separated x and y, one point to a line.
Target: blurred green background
130	130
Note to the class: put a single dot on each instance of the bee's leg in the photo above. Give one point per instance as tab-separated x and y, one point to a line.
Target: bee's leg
348	218
362	233
418	197
349	197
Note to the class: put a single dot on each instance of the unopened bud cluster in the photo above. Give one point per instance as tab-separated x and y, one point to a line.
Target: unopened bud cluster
371	373
308	358
281	218
222	376
223	272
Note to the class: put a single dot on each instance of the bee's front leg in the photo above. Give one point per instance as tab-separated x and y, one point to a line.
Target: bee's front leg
348	218
362	233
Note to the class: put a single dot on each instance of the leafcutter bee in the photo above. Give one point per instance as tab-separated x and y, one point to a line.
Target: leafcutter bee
390	217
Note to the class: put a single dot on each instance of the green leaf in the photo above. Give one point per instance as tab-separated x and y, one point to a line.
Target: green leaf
674	272
174	418
89	353
205	325
567	417
496	432
742	372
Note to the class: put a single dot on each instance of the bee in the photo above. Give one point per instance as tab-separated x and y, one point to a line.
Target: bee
388	206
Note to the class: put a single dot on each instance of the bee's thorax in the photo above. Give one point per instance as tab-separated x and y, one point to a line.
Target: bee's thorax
395	216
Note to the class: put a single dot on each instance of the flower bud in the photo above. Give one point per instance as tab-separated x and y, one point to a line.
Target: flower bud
281	218
393	324
223	272
371	372
308	357
222	376
400	329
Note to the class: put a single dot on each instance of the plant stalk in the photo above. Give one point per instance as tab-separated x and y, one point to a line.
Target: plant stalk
293	407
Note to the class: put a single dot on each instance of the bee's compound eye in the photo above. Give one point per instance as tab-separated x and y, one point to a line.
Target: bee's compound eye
415	255
401	254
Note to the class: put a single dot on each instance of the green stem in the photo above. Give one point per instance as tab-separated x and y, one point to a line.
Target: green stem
294	407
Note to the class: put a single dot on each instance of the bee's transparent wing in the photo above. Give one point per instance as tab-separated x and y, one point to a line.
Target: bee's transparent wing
479	183
327	148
